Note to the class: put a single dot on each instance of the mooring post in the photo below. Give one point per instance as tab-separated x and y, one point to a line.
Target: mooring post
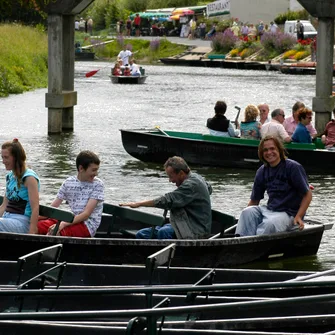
55	78
68	70
61	97
323	102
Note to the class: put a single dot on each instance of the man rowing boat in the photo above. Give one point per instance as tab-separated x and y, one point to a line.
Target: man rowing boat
189	204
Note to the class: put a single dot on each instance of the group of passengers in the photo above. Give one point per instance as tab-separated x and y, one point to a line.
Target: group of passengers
257	124
125	64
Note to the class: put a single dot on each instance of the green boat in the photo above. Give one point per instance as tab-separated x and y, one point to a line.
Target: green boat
157	145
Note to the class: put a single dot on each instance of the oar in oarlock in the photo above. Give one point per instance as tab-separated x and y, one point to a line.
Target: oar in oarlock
162	131
238	113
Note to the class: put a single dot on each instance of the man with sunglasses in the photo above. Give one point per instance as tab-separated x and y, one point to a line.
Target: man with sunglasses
275	127
189	204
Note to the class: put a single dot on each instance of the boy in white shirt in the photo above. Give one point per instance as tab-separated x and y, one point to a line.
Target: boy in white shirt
85	195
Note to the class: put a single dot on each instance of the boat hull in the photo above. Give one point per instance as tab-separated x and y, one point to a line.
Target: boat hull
85	55
220	252
128	79
207	150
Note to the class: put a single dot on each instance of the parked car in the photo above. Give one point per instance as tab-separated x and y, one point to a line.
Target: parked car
290	27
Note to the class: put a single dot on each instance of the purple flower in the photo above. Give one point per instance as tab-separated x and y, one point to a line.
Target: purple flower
224	42
154	45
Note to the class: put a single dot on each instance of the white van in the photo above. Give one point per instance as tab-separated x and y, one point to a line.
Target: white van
290	27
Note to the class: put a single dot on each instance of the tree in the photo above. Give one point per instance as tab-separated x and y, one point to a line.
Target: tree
135	6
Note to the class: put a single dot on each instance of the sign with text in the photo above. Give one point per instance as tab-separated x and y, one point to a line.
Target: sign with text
219	7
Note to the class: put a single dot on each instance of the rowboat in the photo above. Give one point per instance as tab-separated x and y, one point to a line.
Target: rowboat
300	68
115	242
84	55
157	145
128	79
109	309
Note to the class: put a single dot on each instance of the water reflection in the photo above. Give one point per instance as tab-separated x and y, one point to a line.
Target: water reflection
175	98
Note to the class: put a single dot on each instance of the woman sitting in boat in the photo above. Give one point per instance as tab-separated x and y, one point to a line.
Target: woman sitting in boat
116	71
250	127
20	206
301	133
328	137
219	125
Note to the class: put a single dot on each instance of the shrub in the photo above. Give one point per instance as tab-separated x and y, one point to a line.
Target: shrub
244	42
291	15
234	53
279	41
289	54
246	53
301	55
224	42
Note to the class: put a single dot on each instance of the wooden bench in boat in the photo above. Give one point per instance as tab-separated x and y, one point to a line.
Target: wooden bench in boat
120	221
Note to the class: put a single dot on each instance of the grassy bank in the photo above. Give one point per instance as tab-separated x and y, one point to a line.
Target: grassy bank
147	52
23	59
24	55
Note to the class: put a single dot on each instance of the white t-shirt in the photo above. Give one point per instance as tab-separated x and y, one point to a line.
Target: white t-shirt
134	69
77	194
274	128
124	55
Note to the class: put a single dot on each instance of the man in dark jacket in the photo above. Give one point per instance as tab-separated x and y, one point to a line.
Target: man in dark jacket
189	205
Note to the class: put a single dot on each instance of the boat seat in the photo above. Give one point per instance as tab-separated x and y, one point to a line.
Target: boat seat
33	263
122	220
50	276
128	233
159	258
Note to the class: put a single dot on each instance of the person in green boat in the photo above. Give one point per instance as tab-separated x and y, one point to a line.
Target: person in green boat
219	125
189	205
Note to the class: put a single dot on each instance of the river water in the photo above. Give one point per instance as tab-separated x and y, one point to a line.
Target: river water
174	98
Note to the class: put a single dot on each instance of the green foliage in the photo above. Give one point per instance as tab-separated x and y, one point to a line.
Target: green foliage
144	54
292	15
23	59
135	6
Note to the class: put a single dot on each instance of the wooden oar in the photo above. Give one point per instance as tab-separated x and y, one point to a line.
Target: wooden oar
92	73
238	114
162	131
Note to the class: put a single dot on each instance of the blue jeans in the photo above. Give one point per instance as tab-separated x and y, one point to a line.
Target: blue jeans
161	233
259	220
14	223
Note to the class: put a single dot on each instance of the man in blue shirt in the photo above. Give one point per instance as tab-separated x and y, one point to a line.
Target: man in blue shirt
301	133
286	184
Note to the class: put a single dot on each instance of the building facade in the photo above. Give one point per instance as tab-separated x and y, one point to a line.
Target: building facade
251	11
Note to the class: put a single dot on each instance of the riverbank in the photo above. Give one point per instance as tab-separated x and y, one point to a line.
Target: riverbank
23	59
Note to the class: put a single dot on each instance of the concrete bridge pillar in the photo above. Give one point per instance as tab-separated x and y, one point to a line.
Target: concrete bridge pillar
323	102
61	97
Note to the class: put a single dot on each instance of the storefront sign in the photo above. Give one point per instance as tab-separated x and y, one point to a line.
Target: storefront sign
219	7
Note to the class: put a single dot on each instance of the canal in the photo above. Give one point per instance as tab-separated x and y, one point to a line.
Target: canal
174	98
